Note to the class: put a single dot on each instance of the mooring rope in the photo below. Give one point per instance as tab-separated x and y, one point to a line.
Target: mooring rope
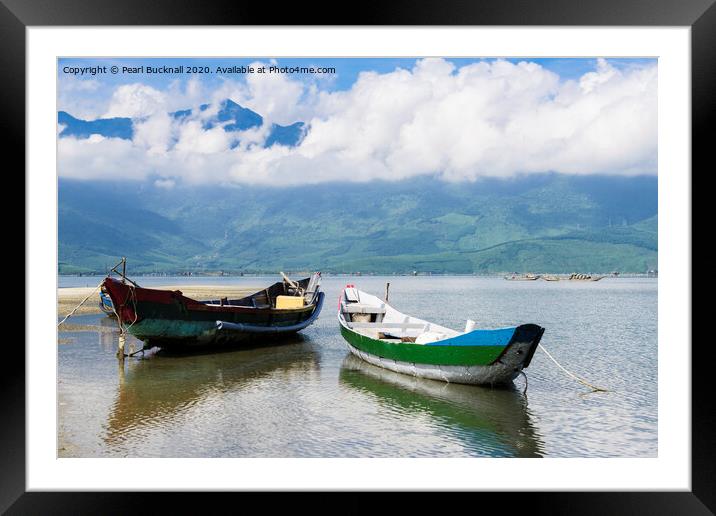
580	380
81	303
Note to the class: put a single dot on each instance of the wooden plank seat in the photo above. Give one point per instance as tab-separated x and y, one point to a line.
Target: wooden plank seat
360	308
376	325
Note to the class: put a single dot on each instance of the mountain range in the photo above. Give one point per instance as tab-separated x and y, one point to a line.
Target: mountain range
230	115
548	223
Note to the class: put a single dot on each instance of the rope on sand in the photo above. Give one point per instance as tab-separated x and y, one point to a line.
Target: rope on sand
580	380
81	303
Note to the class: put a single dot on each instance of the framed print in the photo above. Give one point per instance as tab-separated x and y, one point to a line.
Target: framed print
440	248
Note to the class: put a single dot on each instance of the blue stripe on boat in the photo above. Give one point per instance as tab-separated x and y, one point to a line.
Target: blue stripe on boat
105	303
499	337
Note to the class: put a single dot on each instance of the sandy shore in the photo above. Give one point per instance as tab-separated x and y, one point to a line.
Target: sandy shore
69	298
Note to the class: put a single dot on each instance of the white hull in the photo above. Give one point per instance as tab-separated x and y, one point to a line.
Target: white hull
504	371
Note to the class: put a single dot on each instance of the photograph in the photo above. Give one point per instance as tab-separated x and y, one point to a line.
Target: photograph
357	257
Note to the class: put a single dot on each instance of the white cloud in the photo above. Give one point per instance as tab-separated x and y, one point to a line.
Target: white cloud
186	95
101	158
591	80
484	119
165	183
194	139
276	97
154	133
136	100
80	97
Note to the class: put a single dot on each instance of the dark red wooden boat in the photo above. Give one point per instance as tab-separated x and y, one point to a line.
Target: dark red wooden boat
168	319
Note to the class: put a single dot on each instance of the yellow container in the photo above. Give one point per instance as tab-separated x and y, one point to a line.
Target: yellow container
288	302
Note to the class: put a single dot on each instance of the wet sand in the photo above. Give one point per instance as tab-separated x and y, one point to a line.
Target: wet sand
69	298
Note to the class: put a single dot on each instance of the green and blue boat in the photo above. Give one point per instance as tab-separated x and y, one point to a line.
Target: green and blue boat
381	335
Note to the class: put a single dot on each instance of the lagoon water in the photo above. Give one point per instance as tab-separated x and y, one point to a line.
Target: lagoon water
308	397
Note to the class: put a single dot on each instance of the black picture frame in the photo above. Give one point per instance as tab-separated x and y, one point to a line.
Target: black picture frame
700	15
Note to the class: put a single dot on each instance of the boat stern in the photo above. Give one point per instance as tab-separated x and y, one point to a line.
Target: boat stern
522	346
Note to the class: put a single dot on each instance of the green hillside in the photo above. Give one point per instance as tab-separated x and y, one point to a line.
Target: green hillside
545	223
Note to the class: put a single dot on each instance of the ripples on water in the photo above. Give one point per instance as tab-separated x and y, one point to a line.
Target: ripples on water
306	396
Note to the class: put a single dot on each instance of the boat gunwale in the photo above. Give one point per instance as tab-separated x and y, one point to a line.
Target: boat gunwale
443	344
195	305
411	345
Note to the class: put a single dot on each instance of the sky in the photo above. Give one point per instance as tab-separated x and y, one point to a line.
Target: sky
366	119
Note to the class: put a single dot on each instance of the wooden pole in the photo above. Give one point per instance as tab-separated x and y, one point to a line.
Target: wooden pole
120	347
387	291
124	269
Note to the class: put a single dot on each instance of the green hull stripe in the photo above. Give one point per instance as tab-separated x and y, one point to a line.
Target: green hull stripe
171	329
420	354
173	321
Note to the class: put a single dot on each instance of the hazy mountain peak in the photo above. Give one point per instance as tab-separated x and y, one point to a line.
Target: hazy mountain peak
232	116
240	118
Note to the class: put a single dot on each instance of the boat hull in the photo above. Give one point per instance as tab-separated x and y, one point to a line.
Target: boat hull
494	374
170	320
481	364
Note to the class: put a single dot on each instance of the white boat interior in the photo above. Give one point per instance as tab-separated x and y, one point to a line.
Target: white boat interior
370	316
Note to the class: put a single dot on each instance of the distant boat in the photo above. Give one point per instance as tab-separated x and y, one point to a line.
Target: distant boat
385	337
168	319
522	277
583	277
550	277
105	303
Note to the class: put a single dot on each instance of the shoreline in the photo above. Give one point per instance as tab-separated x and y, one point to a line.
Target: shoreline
69	297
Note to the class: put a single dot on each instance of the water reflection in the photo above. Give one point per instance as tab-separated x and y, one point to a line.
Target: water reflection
254	404
488	422
108	332
160	388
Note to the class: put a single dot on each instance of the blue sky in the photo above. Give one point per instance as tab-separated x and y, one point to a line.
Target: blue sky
347	69
458	118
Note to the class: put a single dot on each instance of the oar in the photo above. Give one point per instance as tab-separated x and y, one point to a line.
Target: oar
292	283
289	280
